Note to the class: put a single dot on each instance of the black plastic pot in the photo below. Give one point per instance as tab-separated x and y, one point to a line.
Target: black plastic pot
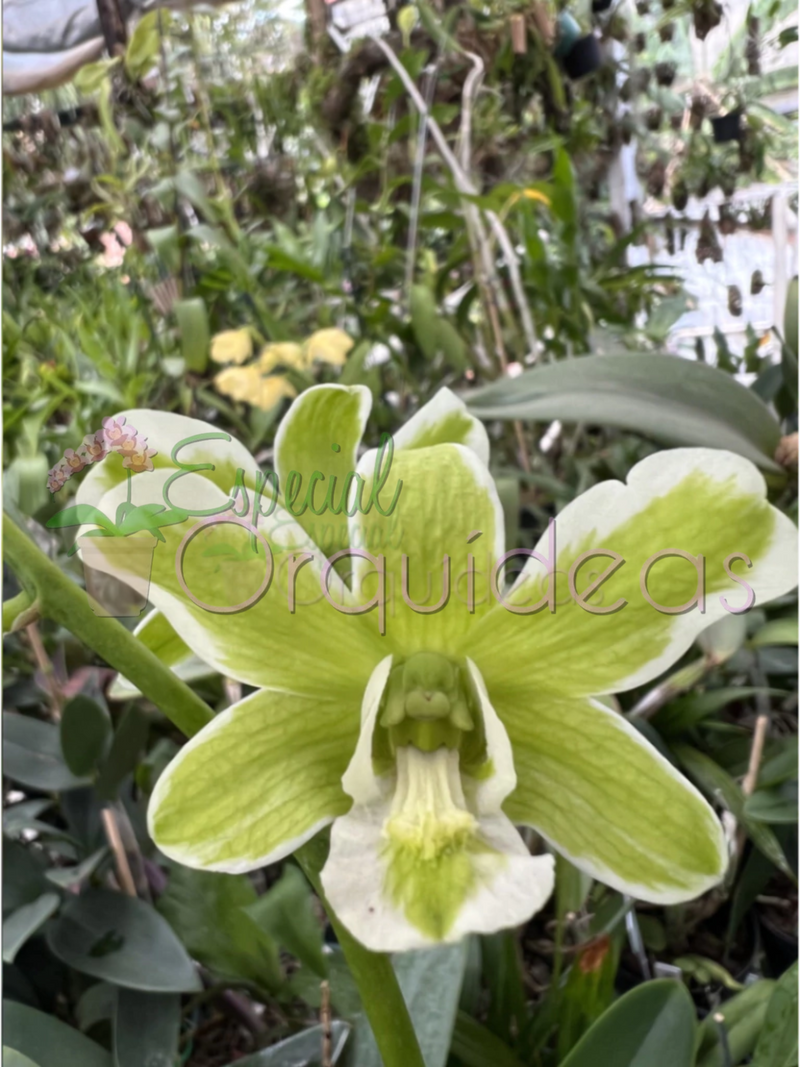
601	5
583	58
727	127
780	947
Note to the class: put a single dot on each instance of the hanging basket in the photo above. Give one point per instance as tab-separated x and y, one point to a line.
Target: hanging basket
727	127
117	573
583	58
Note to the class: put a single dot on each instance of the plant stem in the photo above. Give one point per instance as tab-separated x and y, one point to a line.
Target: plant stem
374	975
13	608
61	600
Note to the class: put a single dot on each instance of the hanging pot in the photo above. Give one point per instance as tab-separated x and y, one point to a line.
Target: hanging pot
584	57
727	127
601	5
568	33
117	573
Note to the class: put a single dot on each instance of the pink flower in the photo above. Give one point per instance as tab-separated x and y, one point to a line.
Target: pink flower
115	432
140	459
132	446
57	477
74	461
94	447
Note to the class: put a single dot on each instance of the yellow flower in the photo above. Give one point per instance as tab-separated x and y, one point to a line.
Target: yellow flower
282	353
231	346
239	383
253	387
328	346
272	390
254	384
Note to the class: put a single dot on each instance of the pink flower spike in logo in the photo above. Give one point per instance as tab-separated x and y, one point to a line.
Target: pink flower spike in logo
139	458
94	447
115	432
57	477
74	461
130	445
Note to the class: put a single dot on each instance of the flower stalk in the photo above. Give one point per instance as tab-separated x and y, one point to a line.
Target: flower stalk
373	973
59	599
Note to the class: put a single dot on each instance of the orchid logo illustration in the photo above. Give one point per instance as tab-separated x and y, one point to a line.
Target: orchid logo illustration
426	747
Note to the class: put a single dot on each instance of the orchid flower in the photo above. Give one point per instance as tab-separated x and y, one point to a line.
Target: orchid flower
138	458
94	446
257	383
427	745
73	461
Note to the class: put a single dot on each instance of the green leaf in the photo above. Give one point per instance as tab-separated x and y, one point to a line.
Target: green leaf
188	184
25	921
122	940
70	877
143	47
430	980
706	971
16	1059
777	1045
663	397
129	742
475	1046
93	75
95	1005
433	333
686	712
193	326
283	261
32	755
285	912
344	994
718	784
742	1019
653	1024
80	515
773	805
47	1041
587	991
23	876
776	632
208	913
146	1029
502	973
21	816
780	767
85	733
302	1050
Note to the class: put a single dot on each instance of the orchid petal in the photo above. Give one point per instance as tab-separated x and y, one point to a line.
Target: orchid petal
265	643
700	501
165	430
255	783
591	784
447	506
157	633
391	897
321	417
444	420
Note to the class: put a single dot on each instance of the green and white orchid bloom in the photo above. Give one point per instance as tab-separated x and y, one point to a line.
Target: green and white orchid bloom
425	746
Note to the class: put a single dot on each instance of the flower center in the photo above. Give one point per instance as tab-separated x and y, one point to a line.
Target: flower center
430	704
429	813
